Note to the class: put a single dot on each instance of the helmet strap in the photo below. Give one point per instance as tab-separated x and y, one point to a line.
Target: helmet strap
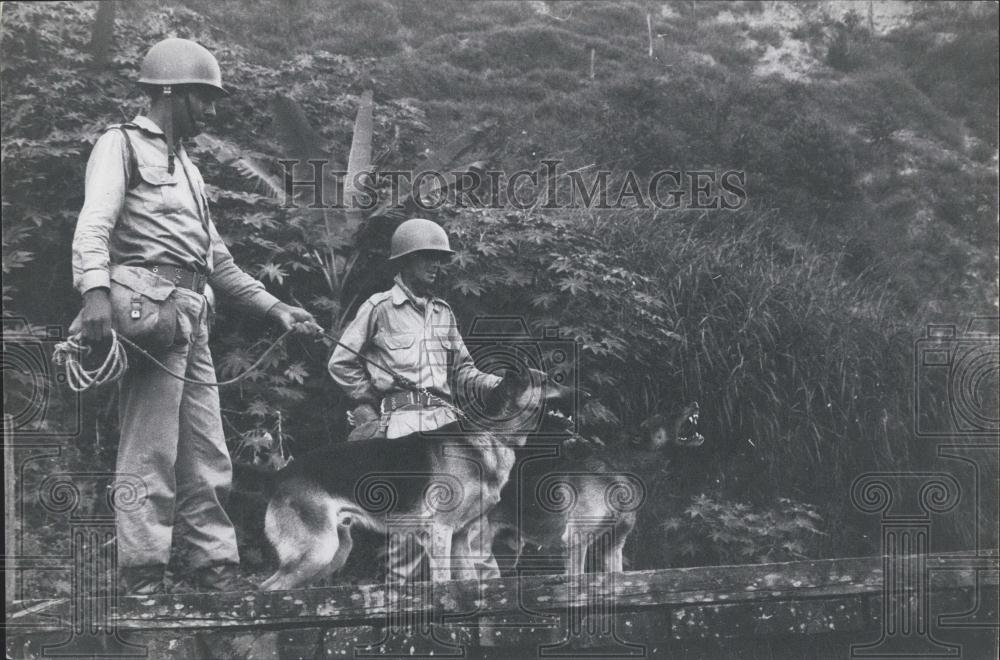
187	106
168	130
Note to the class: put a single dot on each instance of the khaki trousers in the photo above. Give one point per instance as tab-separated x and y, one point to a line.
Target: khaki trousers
172	443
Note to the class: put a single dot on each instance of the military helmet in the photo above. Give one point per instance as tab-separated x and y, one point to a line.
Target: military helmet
418	234
176	61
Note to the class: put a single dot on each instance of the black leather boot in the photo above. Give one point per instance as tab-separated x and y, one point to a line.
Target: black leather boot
219	577
141	580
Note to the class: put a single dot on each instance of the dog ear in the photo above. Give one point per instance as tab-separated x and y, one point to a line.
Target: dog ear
651	422
652	432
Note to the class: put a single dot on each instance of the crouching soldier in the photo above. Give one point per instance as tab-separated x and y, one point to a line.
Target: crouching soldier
413	333
145	245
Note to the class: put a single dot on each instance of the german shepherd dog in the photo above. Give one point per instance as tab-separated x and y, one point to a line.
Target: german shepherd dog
444	480
578	503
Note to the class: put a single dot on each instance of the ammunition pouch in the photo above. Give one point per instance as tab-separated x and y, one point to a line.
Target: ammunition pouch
142	308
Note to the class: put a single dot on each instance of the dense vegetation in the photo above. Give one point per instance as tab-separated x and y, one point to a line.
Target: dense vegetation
793	320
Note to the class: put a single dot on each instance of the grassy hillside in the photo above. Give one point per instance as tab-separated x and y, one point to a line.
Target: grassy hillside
870	153
839	127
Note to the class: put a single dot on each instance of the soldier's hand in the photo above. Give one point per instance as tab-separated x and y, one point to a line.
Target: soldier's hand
362	415
95	318
295	318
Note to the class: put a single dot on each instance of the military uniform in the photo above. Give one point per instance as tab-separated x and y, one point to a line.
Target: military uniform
157	238
417	338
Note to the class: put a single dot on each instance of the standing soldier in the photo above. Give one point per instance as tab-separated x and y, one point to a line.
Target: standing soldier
413	333
144	240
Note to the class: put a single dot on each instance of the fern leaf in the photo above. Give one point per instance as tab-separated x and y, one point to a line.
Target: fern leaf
298	138
233	156
358	162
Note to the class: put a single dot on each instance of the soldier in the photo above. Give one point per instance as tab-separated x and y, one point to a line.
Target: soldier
414	333
144	239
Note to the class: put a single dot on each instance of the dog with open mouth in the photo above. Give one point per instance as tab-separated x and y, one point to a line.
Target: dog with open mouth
574	504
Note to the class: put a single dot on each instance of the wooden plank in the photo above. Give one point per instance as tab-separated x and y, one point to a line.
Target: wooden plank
636	633
10	513
705	626
368	605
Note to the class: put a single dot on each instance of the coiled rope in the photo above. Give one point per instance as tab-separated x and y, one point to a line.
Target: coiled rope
70	354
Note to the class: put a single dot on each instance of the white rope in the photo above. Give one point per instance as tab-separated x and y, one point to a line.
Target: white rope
70	354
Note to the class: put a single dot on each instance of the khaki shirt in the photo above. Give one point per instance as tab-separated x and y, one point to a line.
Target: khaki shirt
162	220
415	338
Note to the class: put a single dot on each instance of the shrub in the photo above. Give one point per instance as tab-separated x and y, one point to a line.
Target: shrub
523	48
366	27
768	34
714	531
818	158
645	123
850	47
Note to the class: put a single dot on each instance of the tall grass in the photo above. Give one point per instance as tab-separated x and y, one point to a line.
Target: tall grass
802	370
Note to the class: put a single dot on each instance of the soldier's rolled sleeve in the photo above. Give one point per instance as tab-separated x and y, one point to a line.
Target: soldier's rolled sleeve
232	280
345	367
105	187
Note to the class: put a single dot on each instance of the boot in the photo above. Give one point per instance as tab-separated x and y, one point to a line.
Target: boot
219	577
141	580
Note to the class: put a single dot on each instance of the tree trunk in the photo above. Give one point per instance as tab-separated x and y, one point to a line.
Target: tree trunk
103	34
649	30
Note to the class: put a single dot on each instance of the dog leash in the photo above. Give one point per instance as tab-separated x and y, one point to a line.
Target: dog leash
70	354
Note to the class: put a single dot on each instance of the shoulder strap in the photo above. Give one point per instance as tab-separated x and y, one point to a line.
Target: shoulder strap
201	203
133	165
